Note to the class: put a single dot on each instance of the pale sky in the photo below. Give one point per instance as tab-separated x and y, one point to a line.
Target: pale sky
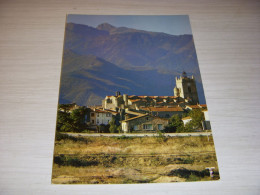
174	24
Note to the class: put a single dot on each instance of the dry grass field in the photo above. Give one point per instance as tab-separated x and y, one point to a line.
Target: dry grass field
108	160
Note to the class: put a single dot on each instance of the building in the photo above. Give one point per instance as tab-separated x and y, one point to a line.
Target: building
98	117
206	124
135	102
185	93
186	120
163	111
186	88
143	123
68	107
197	106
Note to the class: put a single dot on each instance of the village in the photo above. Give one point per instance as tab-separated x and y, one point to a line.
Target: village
123	113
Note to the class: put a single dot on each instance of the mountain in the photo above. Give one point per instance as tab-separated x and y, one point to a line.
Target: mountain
86	80
130	48
99	61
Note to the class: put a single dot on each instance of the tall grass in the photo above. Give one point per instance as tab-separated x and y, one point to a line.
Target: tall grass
131	159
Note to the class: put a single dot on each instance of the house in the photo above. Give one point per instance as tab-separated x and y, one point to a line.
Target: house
206	124
186	120
197	106
98	117
68	107
163	111
143	123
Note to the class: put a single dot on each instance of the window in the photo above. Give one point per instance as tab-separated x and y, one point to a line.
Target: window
108	115
92	114
97	121
97	114
135	127
189	89
147	118
160	127
92	121
147	126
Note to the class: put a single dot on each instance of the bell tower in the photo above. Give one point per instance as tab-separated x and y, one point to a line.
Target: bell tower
186	88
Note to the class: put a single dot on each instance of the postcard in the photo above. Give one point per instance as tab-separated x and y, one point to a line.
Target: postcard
131	104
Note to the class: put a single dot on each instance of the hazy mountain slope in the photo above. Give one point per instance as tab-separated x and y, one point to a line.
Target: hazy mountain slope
99	61
85	77
128	48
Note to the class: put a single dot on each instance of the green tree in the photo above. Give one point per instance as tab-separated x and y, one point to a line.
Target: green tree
78	119
119	129
71	122
175	125
113	126
197	117
64	122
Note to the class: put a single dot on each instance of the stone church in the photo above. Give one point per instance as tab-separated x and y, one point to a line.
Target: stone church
185	93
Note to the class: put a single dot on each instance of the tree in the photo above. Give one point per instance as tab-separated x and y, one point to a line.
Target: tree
197	117
175	125
113	126
119	129
78	119
63	121
71	122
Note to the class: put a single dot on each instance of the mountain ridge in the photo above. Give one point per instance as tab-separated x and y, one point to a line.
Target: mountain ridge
91	54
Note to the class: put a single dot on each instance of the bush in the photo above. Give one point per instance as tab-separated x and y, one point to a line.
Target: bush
76	162
175	125
71	122
60	136
103	128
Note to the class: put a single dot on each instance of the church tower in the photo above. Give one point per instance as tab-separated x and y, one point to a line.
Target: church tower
186	88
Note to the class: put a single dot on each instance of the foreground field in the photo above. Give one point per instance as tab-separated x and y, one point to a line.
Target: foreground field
102	160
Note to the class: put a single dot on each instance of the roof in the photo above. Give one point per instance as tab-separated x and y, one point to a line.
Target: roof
102	111
139	116
186	118
193	106
198	106
144	115
136	100
152	97
163	109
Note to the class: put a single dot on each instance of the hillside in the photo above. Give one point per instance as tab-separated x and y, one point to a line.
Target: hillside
99	61
88	79
129	48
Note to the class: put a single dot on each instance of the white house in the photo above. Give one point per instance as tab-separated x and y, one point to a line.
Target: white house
206	124
98	117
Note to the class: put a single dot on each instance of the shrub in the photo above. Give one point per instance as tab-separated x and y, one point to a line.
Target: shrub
175	125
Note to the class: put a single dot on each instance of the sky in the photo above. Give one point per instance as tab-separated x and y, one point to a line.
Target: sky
174	24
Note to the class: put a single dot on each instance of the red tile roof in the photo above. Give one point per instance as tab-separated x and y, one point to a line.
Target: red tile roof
139	116
198	106
163	109
136	100
103	111
193	106
144	115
